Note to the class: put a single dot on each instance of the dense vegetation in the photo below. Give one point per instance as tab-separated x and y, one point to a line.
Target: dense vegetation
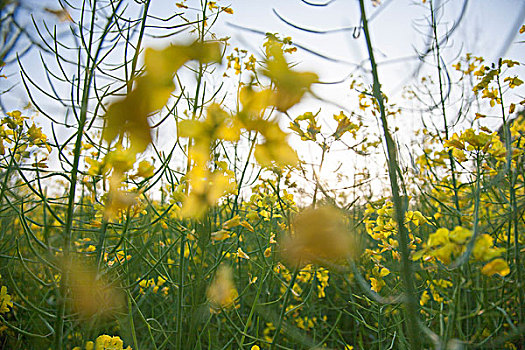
161	209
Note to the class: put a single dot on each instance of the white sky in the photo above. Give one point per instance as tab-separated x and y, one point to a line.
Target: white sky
488	28
398	29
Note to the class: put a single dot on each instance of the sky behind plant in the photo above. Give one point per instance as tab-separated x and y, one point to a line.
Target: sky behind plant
399	32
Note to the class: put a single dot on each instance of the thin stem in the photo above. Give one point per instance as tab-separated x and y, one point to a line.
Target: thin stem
283	308
444	113
252	311
393	169
513	222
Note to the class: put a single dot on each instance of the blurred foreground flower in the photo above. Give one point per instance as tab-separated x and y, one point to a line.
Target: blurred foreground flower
496	266
319	236
222	292
152	90
90	294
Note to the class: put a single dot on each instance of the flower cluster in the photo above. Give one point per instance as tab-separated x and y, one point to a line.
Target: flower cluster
5	300
444	245
382	228
104	342
154	286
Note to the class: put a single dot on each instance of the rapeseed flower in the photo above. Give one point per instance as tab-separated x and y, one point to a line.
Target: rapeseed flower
319	235
5	300
222	292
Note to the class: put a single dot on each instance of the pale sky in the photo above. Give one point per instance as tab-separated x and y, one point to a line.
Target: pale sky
488	28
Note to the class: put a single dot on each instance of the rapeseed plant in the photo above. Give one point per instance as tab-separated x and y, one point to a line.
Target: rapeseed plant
223	237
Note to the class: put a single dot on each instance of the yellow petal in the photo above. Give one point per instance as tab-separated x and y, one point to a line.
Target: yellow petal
242	254
220	235
152	91
498	266
235	221
247	226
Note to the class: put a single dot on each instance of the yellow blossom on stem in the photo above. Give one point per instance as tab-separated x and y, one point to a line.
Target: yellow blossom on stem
377	284
5	300
241	254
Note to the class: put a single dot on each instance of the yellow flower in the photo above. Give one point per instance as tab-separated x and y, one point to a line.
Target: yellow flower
425	297
90	294
439	237
454	142
242	254
483	249
152	91
118	200
229	11
478	140
290	85
460	235
146	169
322	277
222	292
376	284
220	235
160	281
319	235
233	222
442	244
35	134
384	272
106	342
498	266
5	300
247	226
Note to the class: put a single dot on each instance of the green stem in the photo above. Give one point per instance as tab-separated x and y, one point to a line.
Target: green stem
59	325
283	309
443	111
513	222
180	300
252	311
316	189
90	68
411	303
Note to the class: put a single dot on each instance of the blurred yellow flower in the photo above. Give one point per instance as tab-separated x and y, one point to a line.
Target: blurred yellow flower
319	235
90	294
484	250
233	222
222	292
496	266
220	235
